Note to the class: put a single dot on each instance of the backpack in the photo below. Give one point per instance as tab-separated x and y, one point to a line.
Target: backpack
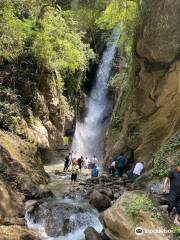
121	161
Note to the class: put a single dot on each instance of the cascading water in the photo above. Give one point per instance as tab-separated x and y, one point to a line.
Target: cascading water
89	134
62	217
63	220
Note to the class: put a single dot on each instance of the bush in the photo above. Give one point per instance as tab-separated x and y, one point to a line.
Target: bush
161	165
141	203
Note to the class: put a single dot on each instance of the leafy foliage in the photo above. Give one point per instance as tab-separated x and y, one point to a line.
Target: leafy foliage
59	47
51	40
141	203
86	13
12	32
170	149
176	231
50	36
124	13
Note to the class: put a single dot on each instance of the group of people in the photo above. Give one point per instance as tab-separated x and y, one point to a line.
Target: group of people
122	165
77	164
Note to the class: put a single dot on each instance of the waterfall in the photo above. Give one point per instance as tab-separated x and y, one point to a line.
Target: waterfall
89	134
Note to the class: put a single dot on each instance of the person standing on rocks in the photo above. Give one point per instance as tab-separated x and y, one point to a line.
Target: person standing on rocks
67	162
73	155
94	161
121	162
74	172
137	171
112	168
174	192
80	162
86	161
94	171
89	164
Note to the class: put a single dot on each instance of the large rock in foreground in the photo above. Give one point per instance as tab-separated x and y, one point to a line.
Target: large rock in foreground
100	201
121	220
17	233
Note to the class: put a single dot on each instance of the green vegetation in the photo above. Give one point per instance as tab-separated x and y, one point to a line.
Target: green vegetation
9	109
141	203
126	14
48	45
49	34
123	13
86	13
176	231
45	47
167	157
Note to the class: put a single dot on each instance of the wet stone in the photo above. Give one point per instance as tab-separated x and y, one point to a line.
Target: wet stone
92	234
100	201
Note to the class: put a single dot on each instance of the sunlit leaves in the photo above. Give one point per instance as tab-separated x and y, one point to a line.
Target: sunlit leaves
58	46
123	12
12	35
53	37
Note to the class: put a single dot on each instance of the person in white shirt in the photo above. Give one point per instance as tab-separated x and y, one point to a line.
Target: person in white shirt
86	161
73	155
112	168
137	170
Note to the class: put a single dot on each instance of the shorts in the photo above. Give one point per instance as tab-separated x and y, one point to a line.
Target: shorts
73	176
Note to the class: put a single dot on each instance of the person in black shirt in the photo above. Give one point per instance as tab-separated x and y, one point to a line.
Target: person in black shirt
174	193
80	162
67	161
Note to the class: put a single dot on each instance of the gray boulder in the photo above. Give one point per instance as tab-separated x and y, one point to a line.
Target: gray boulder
108	192
100	201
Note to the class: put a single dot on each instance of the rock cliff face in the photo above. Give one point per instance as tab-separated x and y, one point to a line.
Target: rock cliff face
149	109
35	107
21	176
33	121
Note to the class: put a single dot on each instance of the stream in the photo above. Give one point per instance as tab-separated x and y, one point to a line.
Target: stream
63	218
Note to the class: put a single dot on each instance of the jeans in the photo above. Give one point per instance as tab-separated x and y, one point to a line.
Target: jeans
174	201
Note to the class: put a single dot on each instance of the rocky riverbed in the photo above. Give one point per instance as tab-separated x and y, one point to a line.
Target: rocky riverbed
97	208
72	209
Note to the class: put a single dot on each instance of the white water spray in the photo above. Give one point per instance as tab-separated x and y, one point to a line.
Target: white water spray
89	134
